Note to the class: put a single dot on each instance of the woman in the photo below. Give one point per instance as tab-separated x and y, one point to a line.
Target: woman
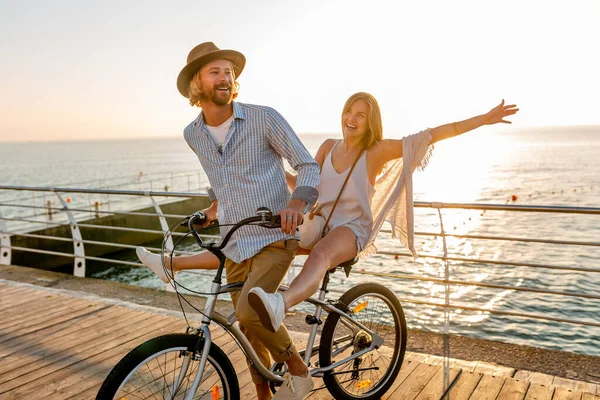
379	189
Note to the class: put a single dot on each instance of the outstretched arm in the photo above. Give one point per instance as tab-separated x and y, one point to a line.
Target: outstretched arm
494	116
391	149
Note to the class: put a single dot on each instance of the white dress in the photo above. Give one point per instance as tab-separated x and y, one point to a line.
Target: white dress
364	208
353	210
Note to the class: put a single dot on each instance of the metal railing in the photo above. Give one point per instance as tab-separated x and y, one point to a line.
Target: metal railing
74	217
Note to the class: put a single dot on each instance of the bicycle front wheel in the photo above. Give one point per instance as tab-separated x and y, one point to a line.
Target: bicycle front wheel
370	375
165	367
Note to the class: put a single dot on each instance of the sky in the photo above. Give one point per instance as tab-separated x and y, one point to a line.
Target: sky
78	70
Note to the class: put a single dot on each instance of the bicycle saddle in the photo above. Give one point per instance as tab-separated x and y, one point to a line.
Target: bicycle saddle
346	266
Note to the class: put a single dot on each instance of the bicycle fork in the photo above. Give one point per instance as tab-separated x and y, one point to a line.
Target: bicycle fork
205	334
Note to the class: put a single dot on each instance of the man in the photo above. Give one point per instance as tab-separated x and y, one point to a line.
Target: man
241	147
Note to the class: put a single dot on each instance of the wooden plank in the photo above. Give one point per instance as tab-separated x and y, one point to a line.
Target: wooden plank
45	384
66	317
586	387
69	346
408	366
465	385
574	385
513	389
539	391
541	378
589	396
10	301
72	347
32	368
29	311
89	381
93	320
494	369
35	321
26	295
488	388
415	383
77	377
9	292
562	393
466	366
565	383
434	390
502	370
523	375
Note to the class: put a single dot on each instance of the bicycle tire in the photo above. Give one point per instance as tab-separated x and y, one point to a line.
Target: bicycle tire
366	302
138	370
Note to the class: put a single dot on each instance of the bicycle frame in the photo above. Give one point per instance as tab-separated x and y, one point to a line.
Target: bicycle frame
230	326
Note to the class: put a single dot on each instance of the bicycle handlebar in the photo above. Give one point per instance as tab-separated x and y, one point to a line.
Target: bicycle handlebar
265	218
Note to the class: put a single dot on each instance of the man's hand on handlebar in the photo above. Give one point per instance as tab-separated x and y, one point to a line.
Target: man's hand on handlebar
211	214
291	216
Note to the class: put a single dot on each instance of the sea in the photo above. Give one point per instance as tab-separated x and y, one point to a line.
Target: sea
551	166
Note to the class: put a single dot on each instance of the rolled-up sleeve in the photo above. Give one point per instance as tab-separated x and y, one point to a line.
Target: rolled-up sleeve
211	194
285	141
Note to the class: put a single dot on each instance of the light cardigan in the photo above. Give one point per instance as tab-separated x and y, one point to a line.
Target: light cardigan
393	197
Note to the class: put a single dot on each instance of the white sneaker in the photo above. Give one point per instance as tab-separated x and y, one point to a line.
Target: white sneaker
294	388
269	307
153	262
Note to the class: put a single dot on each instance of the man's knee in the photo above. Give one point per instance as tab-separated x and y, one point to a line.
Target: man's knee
245	313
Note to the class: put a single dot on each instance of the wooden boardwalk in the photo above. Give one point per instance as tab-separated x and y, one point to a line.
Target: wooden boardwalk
57	344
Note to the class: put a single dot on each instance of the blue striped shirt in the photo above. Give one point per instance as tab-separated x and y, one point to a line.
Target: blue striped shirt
249	172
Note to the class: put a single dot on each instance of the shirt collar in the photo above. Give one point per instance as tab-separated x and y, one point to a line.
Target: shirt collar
238	112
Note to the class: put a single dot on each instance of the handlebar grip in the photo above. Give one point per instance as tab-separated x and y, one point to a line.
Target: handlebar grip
198	218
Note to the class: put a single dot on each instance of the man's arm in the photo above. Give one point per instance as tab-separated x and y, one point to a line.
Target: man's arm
212	211
285	141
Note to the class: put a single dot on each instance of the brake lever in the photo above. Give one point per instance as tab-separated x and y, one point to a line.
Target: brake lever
273	222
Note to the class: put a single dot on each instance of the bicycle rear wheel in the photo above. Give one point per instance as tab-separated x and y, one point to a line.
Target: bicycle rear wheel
372	374
165	367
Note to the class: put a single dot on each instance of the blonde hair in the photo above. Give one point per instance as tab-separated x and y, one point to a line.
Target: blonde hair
374	131
195	91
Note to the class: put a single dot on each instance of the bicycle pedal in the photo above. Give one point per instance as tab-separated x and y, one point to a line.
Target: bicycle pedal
311	320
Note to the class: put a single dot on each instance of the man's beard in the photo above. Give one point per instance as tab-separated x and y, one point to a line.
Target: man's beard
211	94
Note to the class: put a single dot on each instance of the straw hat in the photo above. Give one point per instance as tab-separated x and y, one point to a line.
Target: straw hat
203	54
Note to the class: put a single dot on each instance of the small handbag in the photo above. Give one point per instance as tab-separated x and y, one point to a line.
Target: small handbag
315	226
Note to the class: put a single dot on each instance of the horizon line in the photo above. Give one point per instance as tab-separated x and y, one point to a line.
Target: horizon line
102	139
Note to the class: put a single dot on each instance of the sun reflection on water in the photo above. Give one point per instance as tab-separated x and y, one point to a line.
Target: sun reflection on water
458	172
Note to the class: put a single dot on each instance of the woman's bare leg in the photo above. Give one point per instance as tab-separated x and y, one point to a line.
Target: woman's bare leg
337	247
204	260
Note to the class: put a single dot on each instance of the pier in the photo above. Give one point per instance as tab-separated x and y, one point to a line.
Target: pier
60	336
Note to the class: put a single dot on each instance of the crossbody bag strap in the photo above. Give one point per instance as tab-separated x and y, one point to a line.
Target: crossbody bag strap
340	193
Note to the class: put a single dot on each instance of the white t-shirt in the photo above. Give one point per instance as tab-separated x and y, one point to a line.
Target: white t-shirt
219	133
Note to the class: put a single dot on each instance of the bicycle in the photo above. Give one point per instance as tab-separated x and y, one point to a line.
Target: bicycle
361	347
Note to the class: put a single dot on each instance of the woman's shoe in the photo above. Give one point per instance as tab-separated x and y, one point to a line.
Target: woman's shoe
270	307
153	262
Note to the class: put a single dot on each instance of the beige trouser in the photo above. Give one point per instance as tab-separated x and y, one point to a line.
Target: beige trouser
266	270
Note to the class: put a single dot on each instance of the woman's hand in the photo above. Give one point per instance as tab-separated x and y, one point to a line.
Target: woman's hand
498	113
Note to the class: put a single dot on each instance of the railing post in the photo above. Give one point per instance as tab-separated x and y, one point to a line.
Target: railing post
446	350
34	204
79	263
49	210
5	254
165	228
